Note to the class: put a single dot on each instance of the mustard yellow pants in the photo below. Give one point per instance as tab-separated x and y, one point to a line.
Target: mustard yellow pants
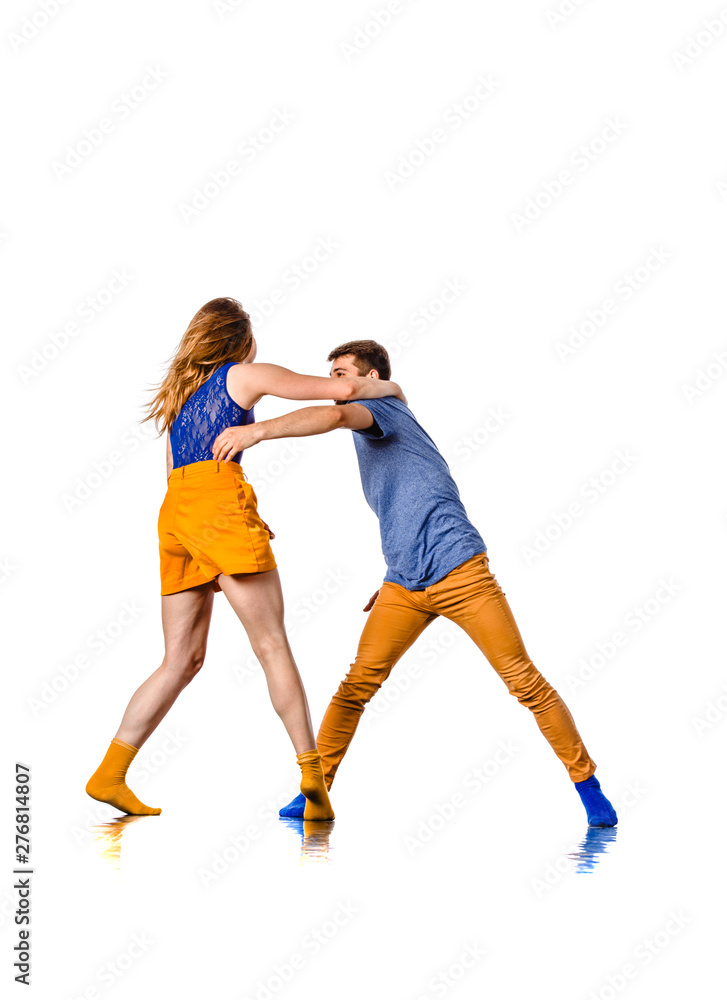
471	597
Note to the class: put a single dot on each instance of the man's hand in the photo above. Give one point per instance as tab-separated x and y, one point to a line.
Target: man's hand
372	601
234	439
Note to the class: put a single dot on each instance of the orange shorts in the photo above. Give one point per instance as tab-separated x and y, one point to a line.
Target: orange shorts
209	524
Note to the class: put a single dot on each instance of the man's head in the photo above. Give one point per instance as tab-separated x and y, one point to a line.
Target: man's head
360	357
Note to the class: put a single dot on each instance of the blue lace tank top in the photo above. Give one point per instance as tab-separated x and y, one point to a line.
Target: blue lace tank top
204	415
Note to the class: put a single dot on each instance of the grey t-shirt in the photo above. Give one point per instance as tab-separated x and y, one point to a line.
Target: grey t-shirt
425	531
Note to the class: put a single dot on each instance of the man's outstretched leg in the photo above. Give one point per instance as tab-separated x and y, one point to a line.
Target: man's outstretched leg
471	596
396	620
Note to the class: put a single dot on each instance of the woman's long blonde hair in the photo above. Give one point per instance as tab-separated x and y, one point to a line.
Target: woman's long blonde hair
219	332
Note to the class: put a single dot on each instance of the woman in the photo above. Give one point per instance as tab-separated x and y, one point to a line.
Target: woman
211	538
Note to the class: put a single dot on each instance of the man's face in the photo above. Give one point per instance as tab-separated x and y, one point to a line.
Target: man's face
345	366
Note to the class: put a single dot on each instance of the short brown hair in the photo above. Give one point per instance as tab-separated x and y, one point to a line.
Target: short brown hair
367	354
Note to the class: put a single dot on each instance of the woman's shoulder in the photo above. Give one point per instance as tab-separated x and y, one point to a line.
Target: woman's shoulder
260	374
240	383
244	369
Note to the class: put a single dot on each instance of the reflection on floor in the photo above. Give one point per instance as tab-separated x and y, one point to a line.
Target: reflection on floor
315	837
107	837
315	846
595	843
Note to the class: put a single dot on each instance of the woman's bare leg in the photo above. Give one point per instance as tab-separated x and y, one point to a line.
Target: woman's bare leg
186	623
257	600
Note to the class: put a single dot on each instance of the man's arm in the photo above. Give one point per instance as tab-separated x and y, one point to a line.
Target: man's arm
299	423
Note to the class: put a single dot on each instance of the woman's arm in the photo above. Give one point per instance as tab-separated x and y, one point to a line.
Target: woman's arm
248	382
169	456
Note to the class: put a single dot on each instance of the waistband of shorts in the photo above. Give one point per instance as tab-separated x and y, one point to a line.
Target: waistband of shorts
210	467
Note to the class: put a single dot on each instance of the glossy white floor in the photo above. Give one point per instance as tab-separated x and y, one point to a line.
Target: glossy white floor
459	861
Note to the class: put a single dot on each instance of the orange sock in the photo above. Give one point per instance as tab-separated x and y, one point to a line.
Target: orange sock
313	786
108	782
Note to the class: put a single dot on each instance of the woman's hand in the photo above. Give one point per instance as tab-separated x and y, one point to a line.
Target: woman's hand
234	439
399	393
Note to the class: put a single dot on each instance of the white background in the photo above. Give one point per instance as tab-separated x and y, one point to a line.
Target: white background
360	96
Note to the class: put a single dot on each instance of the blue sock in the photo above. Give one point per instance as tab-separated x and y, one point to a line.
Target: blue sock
294	809
599	809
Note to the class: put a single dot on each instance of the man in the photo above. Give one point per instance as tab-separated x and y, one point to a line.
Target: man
437	564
